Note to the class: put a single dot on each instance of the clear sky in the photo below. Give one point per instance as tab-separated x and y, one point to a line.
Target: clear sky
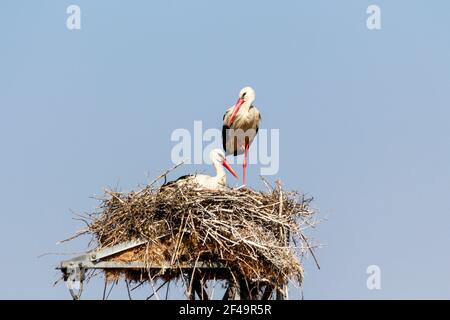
363	119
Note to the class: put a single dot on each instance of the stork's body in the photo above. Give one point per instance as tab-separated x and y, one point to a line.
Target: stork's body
203	181
240	126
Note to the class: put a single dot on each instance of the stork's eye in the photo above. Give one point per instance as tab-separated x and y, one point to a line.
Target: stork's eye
243	95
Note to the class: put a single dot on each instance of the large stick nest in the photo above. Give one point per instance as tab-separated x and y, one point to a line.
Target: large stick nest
258	235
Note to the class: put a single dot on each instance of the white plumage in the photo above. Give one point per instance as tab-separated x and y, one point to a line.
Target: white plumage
217	182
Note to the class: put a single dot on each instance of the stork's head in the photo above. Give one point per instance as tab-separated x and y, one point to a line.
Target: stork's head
247	95
217	157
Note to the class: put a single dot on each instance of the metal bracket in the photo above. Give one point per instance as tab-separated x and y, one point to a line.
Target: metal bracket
74	277
75	268
106	252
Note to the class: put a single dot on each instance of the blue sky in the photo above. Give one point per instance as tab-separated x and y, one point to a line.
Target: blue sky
363	119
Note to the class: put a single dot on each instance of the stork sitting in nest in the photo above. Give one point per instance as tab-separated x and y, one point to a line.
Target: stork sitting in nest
217	182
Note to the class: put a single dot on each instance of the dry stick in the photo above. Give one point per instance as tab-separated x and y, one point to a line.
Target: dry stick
79	233
167	290
213	288
282	230
192	277
139	285
112	286
155	292
310	250
204	294
149	272
128	290
81	218
190	289
234	283
114	195
269	189
180	238
167	172
184	278
60	254
104	290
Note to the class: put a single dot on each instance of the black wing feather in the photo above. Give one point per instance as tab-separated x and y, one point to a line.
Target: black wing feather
167	184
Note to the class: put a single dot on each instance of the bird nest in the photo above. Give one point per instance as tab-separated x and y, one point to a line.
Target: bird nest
252	234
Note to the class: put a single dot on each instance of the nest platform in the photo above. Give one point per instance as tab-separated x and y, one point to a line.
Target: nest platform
252	240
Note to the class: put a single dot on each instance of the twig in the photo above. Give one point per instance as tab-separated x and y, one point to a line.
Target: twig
311	251
167	172
128	289
155	292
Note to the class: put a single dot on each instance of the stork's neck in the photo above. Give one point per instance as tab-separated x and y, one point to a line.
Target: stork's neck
221	175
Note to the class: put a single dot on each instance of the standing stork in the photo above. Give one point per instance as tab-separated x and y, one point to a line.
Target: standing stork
240	126
203	181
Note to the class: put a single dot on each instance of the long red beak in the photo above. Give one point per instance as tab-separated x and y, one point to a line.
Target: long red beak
229	168
236	108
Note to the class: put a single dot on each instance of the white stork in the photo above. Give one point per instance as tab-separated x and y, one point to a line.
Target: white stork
240	126
217	182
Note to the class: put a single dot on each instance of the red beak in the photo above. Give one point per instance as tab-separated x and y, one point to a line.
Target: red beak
229	168
236	108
